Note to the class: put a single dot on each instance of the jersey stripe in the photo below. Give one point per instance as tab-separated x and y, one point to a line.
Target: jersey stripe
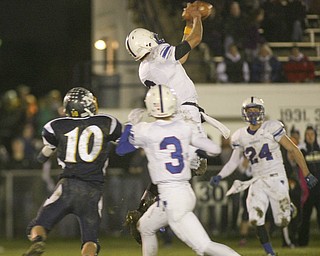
165	51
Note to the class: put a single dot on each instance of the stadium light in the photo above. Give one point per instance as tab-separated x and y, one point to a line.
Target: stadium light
109	46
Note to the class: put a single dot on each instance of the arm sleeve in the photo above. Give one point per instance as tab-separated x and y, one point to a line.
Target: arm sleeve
115	129
232	164
45	154
207	145
124	146
182	49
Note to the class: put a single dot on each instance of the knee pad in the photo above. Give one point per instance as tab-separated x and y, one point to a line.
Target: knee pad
283	221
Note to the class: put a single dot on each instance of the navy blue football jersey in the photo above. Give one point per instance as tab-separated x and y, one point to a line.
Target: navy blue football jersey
82	144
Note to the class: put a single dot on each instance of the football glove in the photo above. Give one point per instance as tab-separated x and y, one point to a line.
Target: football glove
202	168
132	219
311	180
215	180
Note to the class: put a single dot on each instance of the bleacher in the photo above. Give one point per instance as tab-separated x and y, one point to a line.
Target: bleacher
310	45
168	25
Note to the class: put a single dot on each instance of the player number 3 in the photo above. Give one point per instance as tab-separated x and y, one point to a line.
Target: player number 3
177	154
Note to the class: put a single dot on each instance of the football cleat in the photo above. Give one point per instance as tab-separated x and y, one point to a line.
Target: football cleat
35	249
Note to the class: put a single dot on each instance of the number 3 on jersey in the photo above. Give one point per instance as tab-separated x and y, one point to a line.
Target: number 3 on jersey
177	154
251	154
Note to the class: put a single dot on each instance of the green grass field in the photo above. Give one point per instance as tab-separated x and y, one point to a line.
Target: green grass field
128	247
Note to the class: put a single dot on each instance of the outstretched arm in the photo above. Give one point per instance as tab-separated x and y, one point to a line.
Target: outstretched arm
232	164
192	35
228	168
287	143
124	146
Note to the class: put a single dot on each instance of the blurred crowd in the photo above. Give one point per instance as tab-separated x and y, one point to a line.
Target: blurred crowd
22	116
251	23
265	67
240	32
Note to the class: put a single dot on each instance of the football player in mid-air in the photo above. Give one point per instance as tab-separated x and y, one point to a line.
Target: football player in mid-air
161	63
166	143
81	140
259	143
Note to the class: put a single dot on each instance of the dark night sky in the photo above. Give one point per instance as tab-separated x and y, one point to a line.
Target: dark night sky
42	42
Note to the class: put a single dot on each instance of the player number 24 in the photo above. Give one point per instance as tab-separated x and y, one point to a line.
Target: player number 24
251	154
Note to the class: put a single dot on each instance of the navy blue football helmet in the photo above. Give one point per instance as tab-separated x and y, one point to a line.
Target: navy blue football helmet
80	102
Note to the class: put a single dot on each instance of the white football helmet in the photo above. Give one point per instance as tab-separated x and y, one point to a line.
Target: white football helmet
161	101
253	117
140	42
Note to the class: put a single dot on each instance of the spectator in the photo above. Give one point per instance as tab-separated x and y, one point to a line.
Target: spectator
313	6
290	233
266	68
29	103
275	24
25	149
253	35
311	151
233	69
50	107
299	68
295	134
213	34
296	14
12	118
233	26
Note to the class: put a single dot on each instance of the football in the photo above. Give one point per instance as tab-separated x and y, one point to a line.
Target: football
206	9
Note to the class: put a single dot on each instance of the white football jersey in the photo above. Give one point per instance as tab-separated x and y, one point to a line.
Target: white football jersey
161	67
262	148
166	144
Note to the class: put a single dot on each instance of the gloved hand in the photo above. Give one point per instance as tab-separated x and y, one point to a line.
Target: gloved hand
195	163
136	115
311	180
132	219
215	180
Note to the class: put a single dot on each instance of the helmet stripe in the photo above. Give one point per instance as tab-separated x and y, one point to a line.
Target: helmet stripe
161	101
128	46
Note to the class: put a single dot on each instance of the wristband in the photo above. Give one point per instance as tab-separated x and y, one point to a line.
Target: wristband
187	30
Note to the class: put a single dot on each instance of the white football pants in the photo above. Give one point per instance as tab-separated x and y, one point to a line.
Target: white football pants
175	209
